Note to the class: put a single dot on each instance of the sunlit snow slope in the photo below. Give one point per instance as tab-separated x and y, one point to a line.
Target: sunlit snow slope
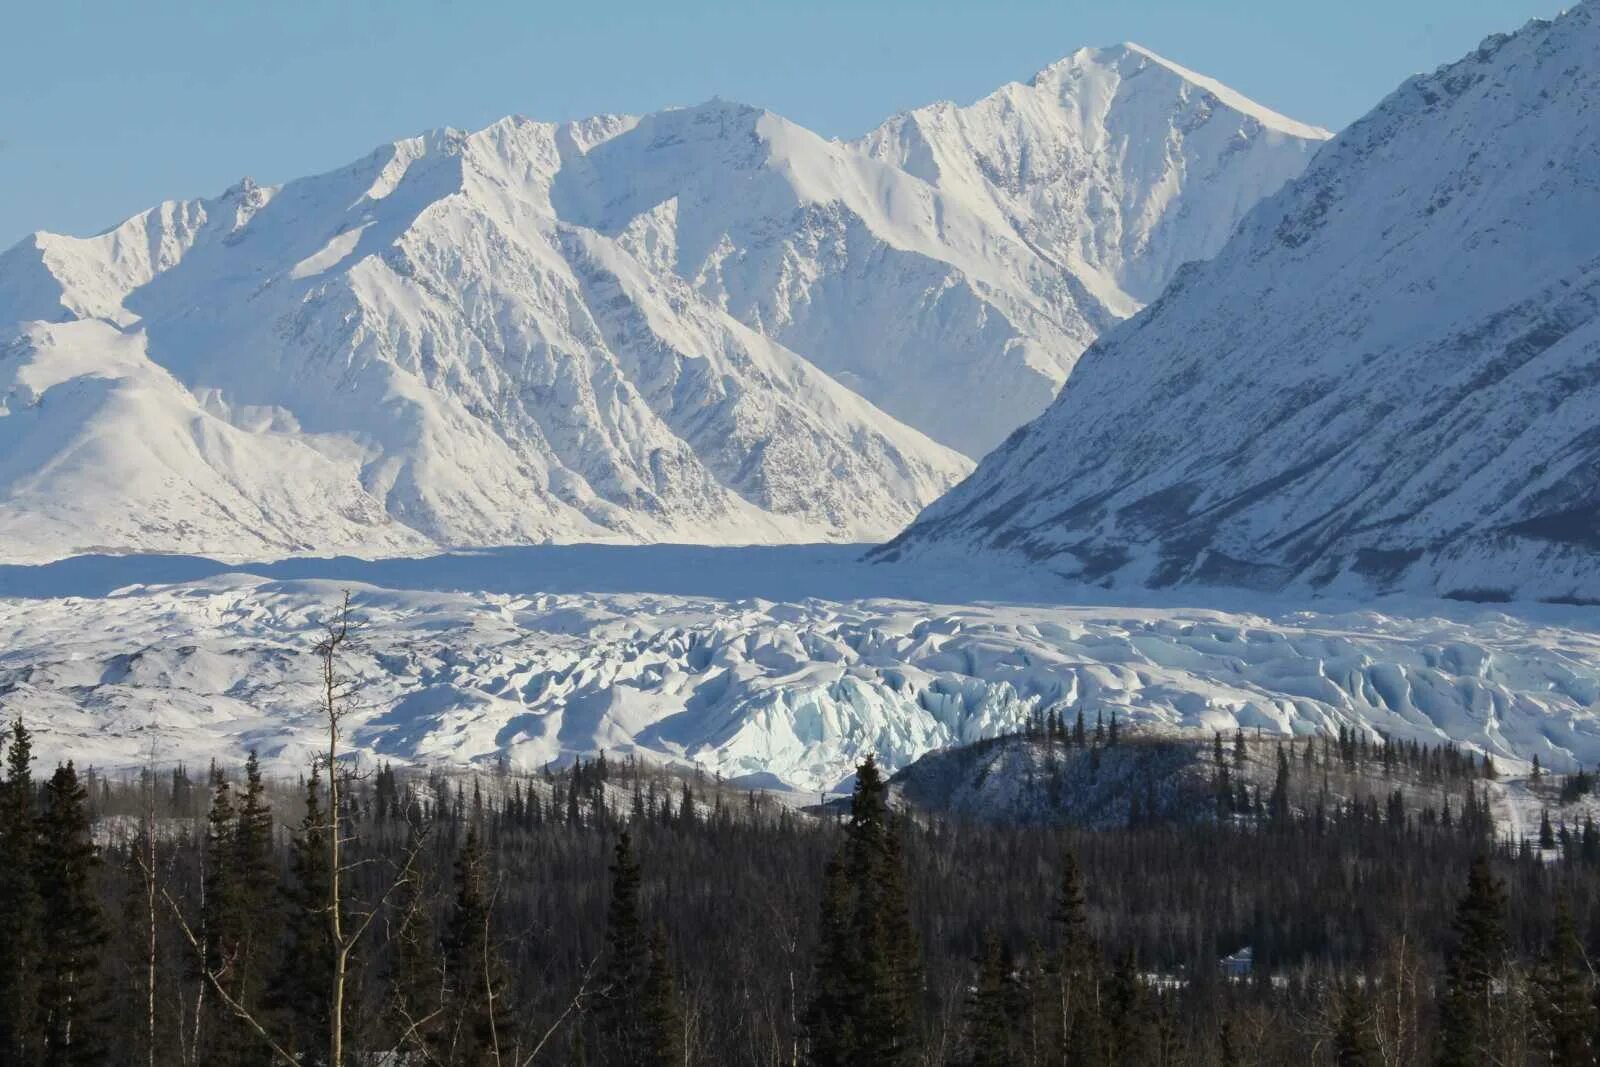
1388	378
706	325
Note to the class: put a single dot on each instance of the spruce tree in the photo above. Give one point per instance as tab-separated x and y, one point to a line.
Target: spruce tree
830	1024
415	980
866	1005
302	988
1354	1044
1125	1022
1077	970
223	925
1278	806
661	1016
72	929
1465	1016
1565	1005
627	958
475	992
255	875
19	902
888	969
987	1040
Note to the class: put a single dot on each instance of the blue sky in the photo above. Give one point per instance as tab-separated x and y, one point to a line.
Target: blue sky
108	107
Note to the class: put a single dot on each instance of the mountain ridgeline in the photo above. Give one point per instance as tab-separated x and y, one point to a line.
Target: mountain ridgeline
1388	378
703	325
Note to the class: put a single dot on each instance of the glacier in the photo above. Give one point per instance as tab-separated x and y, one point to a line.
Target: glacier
755	680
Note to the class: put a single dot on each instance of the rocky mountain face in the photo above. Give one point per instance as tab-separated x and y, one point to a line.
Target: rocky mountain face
1389	378
704	325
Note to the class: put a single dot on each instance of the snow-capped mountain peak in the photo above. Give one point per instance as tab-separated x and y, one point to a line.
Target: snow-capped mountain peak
703	324
1131	57
1113	162
1387	378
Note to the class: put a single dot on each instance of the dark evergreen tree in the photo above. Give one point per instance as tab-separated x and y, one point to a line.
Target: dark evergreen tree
255	896
1076	1024
686	808
72	930
1278	806
987	1041
627	962
830	1024
302	989
662	1016
19	902
1354	1043
865	1007
1124	1022
475	980
416	981
224	925
1565	1004
1474	968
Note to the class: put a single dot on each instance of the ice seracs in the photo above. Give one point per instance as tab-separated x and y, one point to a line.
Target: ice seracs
793	692
1389	378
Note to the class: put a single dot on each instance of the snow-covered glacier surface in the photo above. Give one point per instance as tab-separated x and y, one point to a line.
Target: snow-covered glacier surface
787	690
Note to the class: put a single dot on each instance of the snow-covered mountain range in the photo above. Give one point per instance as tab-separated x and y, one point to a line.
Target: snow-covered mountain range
1388	378
706	325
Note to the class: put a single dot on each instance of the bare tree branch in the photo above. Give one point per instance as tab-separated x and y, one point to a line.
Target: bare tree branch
212	977
575	1004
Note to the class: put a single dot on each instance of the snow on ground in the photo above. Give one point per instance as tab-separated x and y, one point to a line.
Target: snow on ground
540	654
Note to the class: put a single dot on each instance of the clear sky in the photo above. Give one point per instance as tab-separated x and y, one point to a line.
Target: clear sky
109	107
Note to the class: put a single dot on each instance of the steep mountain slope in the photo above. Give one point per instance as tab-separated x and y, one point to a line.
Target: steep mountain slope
415	349
705	325
1389	377
1116	164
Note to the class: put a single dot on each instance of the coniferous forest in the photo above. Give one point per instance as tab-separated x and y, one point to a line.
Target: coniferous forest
611	912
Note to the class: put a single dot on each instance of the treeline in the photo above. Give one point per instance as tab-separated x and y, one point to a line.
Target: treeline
607	913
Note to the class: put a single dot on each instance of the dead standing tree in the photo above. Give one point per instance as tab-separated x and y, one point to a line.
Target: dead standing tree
337	700
337	693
